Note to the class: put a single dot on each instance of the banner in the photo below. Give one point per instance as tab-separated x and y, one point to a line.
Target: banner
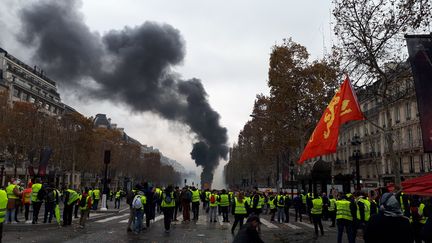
420	57
342	108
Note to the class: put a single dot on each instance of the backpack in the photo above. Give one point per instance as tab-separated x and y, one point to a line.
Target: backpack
136	203
281	200
212	199
83	200
50	196
167	198
41	194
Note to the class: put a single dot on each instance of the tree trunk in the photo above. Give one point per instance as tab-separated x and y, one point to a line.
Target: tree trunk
389	139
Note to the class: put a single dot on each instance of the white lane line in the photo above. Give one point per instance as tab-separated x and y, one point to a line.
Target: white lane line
124	221
292	226
111	218
268	224
220	219
306	224
158	218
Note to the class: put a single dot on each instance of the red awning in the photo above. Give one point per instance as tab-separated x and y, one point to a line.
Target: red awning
421	186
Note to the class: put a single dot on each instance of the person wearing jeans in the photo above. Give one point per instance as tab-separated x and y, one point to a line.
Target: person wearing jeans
139	211
280	201
213	203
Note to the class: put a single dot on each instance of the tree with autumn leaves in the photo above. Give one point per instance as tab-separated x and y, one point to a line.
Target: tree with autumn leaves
25	129
282	121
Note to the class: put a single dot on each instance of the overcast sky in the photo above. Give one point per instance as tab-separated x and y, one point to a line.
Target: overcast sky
228	44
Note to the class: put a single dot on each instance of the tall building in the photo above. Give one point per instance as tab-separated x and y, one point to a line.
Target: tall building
28	84
374	158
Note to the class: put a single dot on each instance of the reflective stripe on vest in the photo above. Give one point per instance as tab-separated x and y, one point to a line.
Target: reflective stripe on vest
366	204
343	210
224	200
239	207
195	196
317	205
3	204
9	191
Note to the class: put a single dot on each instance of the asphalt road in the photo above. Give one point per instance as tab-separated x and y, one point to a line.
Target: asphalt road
111	227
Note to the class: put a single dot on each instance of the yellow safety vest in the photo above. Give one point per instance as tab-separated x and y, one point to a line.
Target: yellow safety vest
215	202
343	210
303	197
195	196
35	190
3	204
280	197
86	202
332	206
118	194
271	202
9	191
224	200
317	205
240	207
73	196
166	204
423	219
96	194
366	204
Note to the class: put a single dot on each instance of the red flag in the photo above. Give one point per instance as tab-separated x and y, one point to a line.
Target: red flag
342	108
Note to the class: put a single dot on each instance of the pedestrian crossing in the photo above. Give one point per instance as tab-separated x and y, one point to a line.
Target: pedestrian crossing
123	218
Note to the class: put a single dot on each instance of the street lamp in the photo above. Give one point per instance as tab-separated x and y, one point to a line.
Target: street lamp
2	171
291	165
356	154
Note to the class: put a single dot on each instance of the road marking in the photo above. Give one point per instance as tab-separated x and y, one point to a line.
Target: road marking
268	224
292	226
158	218
124	221
121	211
307	225
111	218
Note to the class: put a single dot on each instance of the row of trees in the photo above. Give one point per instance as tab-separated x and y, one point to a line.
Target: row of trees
371	49
25	129
282	121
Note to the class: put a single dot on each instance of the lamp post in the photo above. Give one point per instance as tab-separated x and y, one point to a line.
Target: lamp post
107	158
356	154
2	171
291	165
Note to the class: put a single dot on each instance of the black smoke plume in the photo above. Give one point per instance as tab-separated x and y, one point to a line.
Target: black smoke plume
131	66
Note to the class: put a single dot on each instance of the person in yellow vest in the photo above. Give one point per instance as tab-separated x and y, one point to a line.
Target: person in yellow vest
213	203
239	210
224	201
85	204
316	213
13	195
70	198
346	211
195	203
280	203
363	212
3	205
96	198
332	210
36	200
117	198
168	204
272	205
206	199
26	201
417	218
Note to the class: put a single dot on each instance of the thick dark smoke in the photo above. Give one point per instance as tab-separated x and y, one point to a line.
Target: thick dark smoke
132	66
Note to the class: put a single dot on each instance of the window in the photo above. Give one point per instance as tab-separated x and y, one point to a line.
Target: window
31	99
408	111
411	165
16	93
400	165
410	137
422	166
397	114
24	96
